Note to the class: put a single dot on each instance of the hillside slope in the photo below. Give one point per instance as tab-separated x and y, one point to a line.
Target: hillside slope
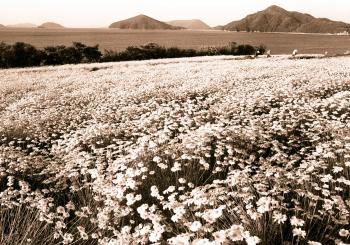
242	144
277	19
143	22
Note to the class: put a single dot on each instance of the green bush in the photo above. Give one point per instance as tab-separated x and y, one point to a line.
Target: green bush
154	51
19	55
24	55
53	55
92	54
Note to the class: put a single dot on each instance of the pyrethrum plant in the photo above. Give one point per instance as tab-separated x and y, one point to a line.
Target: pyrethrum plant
194	151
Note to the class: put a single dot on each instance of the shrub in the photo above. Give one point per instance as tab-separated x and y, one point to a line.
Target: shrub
173	52
19	55
244	50
4	54
262	49
154	51
71	55
53	55
24	55
92	54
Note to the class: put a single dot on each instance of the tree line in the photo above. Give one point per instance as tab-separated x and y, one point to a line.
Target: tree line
26	55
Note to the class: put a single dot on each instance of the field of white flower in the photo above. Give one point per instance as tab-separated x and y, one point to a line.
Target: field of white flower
185	151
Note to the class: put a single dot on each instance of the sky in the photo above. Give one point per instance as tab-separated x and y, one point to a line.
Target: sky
101	13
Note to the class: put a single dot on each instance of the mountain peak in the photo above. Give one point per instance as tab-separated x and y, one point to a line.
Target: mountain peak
275	8
277	19
142	22
142	16
49	25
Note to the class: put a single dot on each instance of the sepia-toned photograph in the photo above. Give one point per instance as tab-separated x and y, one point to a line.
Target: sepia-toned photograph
187	122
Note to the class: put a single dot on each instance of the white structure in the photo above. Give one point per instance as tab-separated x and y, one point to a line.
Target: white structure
295	52
257	52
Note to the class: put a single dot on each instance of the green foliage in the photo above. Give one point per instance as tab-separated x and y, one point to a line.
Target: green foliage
19	55
26	55
154	51
92	54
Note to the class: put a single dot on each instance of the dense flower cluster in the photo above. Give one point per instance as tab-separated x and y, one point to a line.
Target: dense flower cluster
188	151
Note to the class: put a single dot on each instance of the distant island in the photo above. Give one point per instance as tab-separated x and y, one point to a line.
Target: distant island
277	19
219	27
194	24
271	19
143	22
22	25
51	25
